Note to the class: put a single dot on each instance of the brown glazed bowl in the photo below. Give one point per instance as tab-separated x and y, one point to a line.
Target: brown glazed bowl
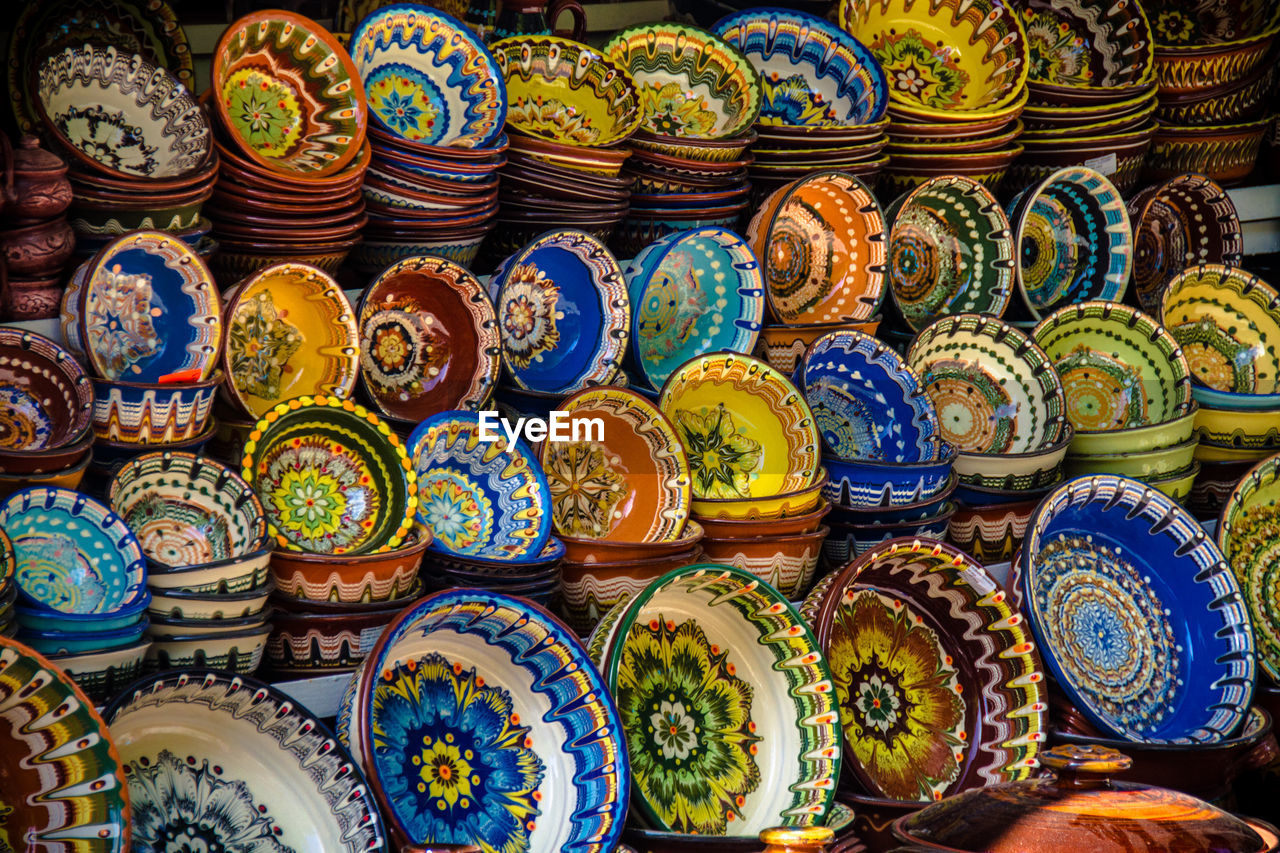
590	590
1226	153
350	579
318	642
993	533
607	551
45	373
787	563
743	528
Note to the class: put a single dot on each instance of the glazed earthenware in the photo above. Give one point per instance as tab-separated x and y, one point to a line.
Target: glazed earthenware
307	643
35	181
1074	44
800	501
1243	534
147	414
353	578
593	590
219	611
787	563
234	653
1226	153
992	533
1238	433
234	575
860	483
848	542
47	399
1144	465
783	346
103	674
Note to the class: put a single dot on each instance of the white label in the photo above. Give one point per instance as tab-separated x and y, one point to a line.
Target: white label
1106	164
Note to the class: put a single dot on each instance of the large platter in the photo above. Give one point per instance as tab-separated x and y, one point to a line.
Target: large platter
1249	536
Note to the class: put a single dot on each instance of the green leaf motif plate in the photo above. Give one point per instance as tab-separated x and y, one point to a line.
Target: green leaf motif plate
1249	537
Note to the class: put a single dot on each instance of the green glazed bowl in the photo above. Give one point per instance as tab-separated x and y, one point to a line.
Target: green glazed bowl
1136	439
1249	429
1247	535
1146	464
1178	484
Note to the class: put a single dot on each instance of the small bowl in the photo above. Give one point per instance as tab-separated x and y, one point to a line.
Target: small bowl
164	626
316	643
62	478
84	642
228	576
588	591
1252	429
1136	439
847	542
239	652
725	528
578	550
992	533
173	604
786	562
867	483
148	414
1143	465
42	619
1226	153
1090	46
916	511
1177	485
799	502
48	398
351	579
103	674
1187	68
783	345
1012	472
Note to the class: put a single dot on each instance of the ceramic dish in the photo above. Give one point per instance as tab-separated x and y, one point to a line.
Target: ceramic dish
628	482
748	432
563	313
236	652
1120	369
786	505
676	299
1074	44
868	404
861	483
288	94
950	251
811	73
1137	615
497	689
480	498
101	675
691	83
1019	471
357	578
713	651
461	103
290	331
1245	535
1144	465
428	339
47	398
1137	439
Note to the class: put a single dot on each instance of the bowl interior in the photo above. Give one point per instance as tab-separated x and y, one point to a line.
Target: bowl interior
1092	45
46	396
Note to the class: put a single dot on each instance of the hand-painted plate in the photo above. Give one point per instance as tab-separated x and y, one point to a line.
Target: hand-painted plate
563	313
728	706
75	556
332	477
624	476
867	402
1249	536
64	786
939	681
692	292
428	339
1138	616
481	721
746	429
220	762
428	78
480	498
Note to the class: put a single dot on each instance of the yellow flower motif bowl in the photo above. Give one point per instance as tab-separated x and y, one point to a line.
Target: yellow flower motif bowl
564	91
691	83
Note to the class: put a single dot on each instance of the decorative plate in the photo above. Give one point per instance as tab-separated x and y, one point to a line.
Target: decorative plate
1228	324
288	94
727	705
118	114
746	429
812	74
560	90
290	332
222	762
47	398
64	786
482	721
563	313
428	78
681	306
429	339
625	477
1089	44
1119	368
75	556
937	675
867	402
332	477
821	241
951	251
1138	617
692	84
1074	239
996	392
479	496
149	309
1247	535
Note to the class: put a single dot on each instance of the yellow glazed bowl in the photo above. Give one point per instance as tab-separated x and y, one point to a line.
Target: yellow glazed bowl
789	505
1245	429
1178	484
1149	463
1136	439
1213	453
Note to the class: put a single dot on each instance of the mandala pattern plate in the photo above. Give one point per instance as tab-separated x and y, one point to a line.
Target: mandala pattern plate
1138	616
727	704
1249	536
332	477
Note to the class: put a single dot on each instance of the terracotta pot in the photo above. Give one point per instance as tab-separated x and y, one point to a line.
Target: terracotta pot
347	579
787	562
590	590
35	180
37	251
28	298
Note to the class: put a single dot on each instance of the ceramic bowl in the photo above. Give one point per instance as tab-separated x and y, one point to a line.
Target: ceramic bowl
1142	465
306	643
783	345
1018	471
787	563
746	528
86	640
1175	24
219	607
1249	429
1214	398
229	576
332	477
1226	153
799	502
48	398
690	82
991	533
905	172
1137	439
608	551
1074	45
288	94
108	455
62	478
351	579
239	652
811	73
1245	518
1215	483
1106	126
868	483
906	512
848	542
1192	67
589	592
102	675
149	414
905	140
563	91
120	115
1233	101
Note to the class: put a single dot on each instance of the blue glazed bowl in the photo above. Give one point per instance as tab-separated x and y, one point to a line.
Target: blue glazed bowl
898	515
59	642
142	413
82	623
863	483
1215	399
847	542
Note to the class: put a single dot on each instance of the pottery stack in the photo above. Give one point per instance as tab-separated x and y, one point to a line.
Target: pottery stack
8	589
35	240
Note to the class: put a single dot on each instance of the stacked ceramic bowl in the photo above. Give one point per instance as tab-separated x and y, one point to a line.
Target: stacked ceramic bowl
153	169
202	531
952	110
82	585
8	587
1092	91
292	161
824	98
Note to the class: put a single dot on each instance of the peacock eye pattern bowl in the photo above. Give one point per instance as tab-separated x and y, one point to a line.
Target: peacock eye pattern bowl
1246	536
1091	44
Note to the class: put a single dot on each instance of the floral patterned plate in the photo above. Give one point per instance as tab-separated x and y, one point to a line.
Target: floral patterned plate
564	91
290	332
746	429
1138	616
428	78
64	786
222	762
563	313
332	477
1090	44
692	84
939	682
681	306
1247	535
481	721
148	308
480	495
727	705
288	94
629	481
812	73
428	339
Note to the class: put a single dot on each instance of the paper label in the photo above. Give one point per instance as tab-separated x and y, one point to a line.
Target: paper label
1106	164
